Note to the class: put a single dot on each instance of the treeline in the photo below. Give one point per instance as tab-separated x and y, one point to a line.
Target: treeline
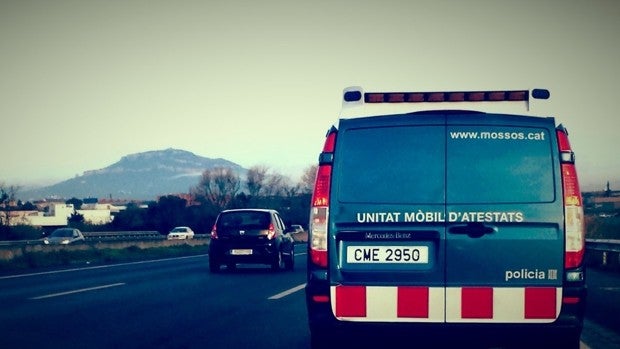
171	211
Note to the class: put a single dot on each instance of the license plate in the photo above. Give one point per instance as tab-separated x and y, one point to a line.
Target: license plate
243	252
387	254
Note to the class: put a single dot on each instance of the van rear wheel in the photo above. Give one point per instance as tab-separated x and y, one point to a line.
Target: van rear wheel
317	341
572	342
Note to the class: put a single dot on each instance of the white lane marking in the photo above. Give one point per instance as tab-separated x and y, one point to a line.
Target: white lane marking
108	266
288	292
78	291
96	267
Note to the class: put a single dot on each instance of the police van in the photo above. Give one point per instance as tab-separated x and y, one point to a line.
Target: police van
446	216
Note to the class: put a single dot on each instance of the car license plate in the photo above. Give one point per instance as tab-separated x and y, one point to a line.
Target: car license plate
243	252
387	254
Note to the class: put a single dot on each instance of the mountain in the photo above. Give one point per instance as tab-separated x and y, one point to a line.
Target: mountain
141	176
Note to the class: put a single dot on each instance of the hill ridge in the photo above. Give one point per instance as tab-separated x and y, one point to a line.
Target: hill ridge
141	176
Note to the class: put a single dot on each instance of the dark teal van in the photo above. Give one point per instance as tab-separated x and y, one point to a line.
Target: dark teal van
436	216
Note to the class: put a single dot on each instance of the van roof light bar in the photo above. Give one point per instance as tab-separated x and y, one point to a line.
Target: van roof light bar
353	95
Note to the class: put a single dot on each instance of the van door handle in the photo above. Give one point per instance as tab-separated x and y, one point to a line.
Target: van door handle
473	229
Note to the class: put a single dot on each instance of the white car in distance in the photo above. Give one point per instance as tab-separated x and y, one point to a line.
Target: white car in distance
181	233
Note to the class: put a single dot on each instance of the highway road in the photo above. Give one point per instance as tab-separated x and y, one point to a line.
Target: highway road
177	303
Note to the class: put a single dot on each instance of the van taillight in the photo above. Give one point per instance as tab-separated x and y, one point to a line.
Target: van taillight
322	184
574	224
214	232
319	212
318	235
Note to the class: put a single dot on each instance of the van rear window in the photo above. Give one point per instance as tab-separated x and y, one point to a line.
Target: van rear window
491	164
392	165
437	164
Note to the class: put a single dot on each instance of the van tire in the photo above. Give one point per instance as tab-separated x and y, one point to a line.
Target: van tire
319	341
570	343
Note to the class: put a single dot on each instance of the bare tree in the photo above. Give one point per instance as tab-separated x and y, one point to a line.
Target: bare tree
256	179
263	182
307	179
275	185
217	186
8	195
292	190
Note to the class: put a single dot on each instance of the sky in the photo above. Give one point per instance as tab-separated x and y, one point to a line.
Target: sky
84	83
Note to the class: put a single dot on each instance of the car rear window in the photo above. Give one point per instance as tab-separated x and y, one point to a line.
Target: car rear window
392	165
63	233
244	220
492	164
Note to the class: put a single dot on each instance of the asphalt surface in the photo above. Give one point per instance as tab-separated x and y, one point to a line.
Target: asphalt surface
177	303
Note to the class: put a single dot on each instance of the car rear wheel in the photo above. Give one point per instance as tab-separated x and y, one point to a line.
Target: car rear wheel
214	266
278	263
289	262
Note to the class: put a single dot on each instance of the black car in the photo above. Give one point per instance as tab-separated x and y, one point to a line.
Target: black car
252	236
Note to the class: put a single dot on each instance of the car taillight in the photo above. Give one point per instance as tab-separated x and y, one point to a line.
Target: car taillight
272	232
319	212
574	224
214	232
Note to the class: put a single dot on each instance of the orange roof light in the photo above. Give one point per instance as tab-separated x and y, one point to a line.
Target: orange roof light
475	96
415	97
395	97
456	96
435	97
497	96
374	97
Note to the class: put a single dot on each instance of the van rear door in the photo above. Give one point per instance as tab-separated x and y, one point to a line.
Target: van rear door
504	240
387	219
446	217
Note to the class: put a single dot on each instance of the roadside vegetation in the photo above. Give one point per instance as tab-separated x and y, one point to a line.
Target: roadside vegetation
217	189
67	257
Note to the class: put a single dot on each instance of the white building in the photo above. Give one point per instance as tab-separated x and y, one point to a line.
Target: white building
58	215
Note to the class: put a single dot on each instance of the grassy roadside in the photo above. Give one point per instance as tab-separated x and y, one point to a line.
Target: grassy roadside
41	259
31	258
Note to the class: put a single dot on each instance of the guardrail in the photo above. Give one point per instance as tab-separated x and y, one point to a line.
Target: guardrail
20	242
123	235
610	245
603	253
106	236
